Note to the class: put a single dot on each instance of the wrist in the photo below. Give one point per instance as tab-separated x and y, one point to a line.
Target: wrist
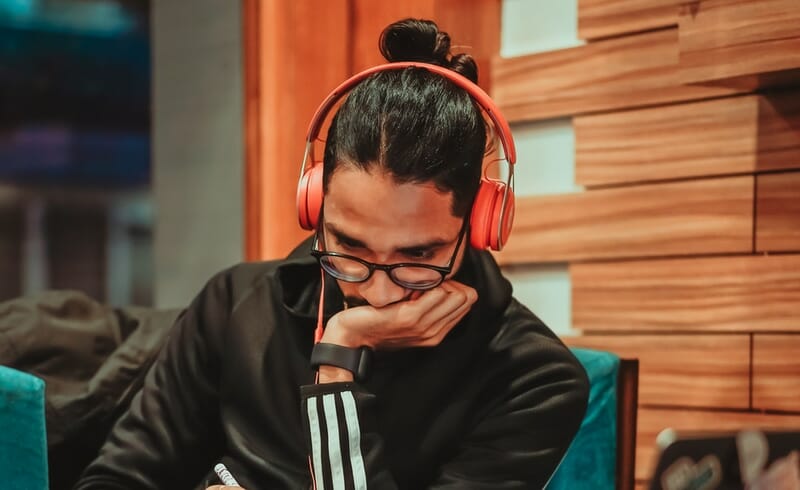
337	333
333	374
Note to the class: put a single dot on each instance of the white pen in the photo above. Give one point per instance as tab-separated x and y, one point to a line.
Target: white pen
225	475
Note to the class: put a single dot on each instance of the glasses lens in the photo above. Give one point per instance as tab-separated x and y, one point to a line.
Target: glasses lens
344	268
416	277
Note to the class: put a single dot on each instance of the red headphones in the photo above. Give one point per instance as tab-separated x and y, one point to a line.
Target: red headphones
493	209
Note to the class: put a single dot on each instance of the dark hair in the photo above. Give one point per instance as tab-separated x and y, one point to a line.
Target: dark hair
412	123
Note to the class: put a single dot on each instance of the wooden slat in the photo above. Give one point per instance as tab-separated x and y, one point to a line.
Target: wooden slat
748	293
603	18
716	137
740	42
683	218
626	72
670	364
652	421
778	212
776	372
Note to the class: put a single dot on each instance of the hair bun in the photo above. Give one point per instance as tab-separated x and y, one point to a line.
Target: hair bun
421	40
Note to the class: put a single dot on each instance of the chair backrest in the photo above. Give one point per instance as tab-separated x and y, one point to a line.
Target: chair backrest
602	455
23	434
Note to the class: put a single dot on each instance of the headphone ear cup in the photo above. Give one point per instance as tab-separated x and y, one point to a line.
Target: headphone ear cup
487	214
309	197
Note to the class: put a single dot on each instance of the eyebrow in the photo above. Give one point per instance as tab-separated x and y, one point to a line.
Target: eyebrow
344	237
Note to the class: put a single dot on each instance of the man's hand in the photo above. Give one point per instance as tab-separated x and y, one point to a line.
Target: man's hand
422	321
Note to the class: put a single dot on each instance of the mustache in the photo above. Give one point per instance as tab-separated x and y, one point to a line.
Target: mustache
355	301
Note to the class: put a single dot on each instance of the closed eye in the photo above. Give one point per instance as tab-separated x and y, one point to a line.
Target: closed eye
349	244
418	254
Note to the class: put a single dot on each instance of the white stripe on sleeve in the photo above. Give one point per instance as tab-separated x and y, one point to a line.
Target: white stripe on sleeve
334	446
354	438
316	443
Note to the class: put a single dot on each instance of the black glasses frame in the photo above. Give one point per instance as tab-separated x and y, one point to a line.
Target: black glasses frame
387	268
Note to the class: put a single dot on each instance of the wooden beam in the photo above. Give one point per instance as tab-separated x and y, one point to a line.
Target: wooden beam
778	212
653	420
621	73
740	43
719	294
670	364
716	137
776	372
604	18
682	218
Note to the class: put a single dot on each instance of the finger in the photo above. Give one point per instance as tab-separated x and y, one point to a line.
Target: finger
411	312
463	287
444	326
456	300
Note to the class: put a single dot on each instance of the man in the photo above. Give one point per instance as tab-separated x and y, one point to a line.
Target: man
406	363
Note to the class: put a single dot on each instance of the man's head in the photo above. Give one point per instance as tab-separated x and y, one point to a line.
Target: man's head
402	163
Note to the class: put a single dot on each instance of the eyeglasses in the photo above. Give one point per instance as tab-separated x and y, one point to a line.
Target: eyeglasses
409	275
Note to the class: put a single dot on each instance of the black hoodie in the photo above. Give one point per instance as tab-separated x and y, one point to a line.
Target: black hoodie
495	405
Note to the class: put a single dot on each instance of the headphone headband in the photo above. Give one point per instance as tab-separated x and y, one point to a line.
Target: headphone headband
477	94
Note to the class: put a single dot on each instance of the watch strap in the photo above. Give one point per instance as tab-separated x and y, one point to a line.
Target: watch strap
356	360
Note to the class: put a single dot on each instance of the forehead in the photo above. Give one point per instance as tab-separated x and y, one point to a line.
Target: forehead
372	207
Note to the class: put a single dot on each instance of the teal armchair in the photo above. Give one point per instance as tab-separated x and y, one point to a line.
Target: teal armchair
23	437
602	455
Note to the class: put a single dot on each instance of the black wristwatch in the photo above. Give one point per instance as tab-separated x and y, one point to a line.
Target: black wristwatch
357	361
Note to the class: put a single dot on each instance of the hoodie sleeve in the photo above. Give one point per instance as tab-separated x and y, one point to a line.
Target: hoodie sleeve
518	444
164	440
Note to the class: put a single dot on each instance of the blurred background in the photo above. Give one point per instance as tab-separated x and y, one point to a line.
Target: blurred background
121	147
75	166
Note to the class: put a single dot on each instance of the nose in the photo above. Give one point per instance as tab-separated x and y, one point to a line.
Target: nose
380	290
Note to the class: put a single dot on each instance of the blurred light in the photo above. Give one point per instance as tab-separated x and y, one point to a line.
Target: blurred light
97	17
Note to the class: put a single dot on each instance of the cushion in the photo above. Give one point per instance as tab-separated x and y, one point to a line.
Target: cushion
591	459
23	438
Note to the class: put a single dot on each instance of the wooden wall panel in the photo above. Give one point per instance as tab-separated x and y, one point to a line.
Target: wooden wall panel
473	26
370	18
748	293
652	421
626	72
603	18
778	212
283	52
776	372
715	137
703	380
683	218
741	42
